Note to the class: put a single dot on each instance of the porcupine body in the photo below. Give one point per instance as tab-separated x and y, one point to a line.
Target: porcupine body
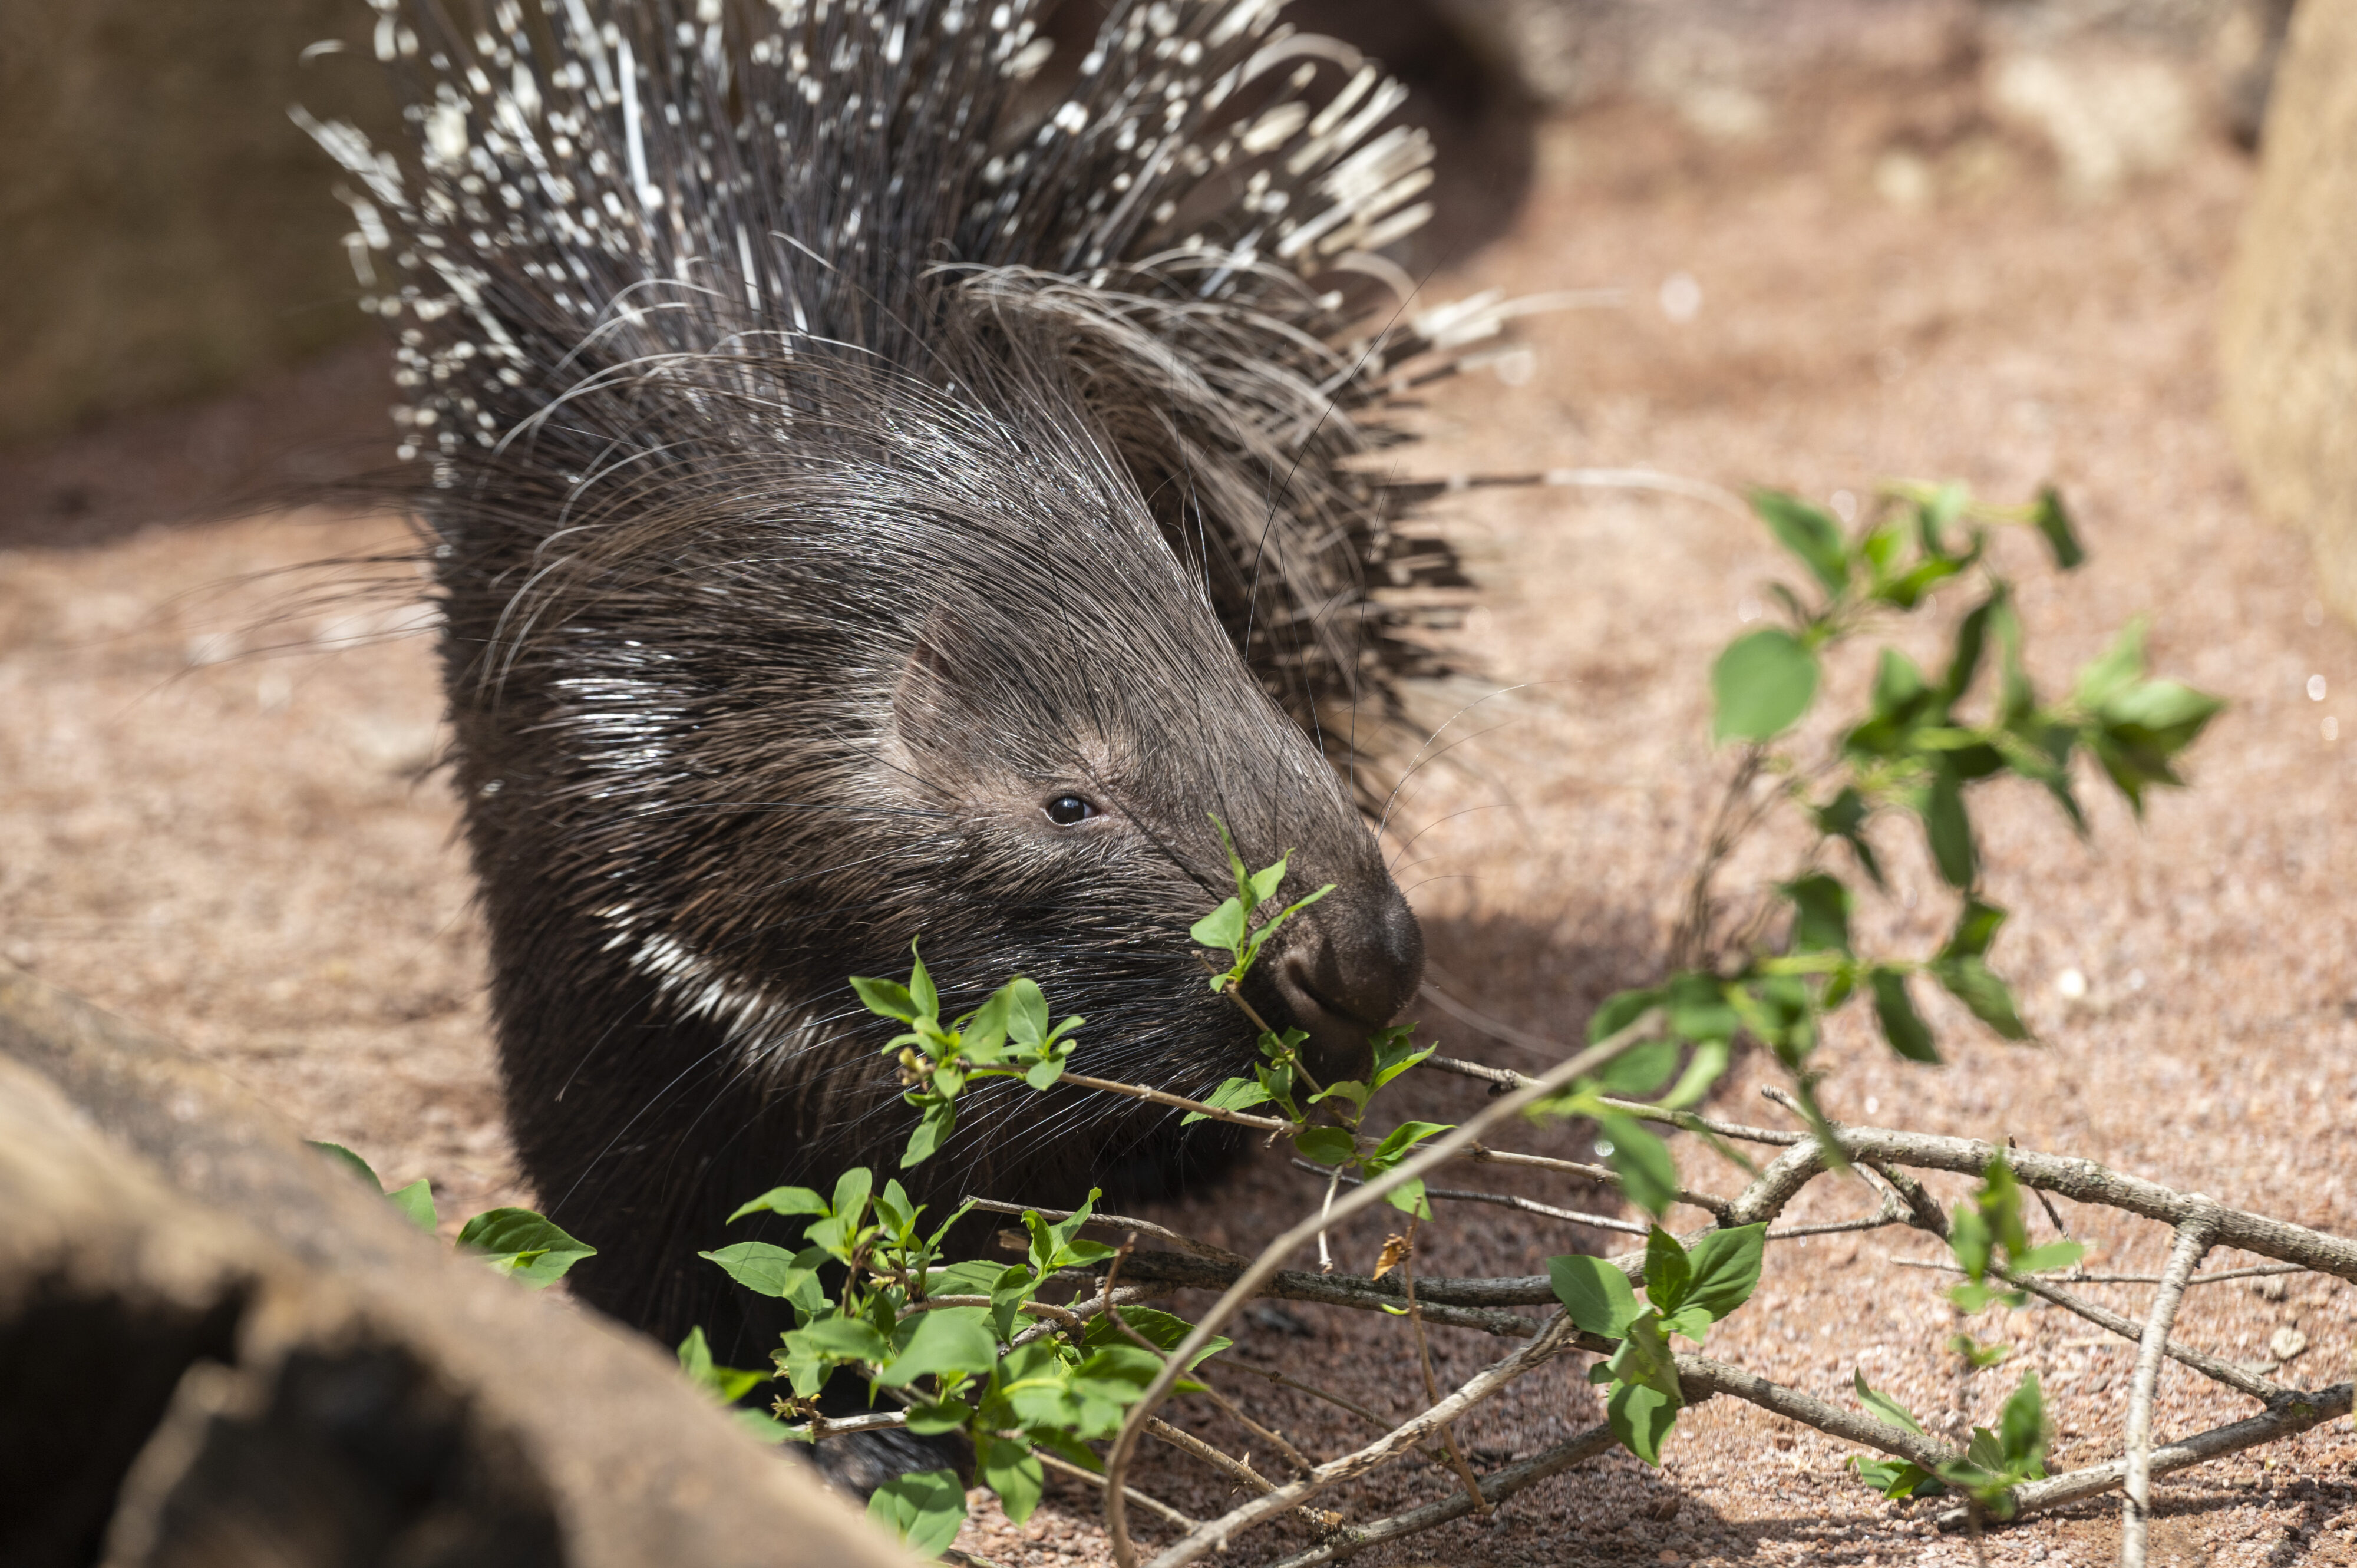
870	500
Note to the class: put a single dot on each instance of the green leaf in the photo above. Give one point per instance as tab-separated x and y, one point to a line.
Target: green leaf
1819	913
1844	817
2113	671
1965	662
1640	1418
1399	1141
2054	522
1224	929
1979	1357
921	985
783	1201
524	1244
1235	861
1410	1197
851	1190
1977	925
1761	685
933	1129
842	1340
1027	1011
729	1384
1689	1320
947	1341
1647	1173
1640	1070
765	1270
1896	1477
352	1160
1895	1011
1645	1357
1043	1073
1327	1145
2022	1425
1971	981
1264	882
1666	1271
1949	829
1165	1331
417	1201
1726	1269
2052	1255
1698	1008
1595	1294
1807	532
1885	1408
923	1507
1393	1051
1235	1094
1703	1070
886	998
1618	1011
1013	1472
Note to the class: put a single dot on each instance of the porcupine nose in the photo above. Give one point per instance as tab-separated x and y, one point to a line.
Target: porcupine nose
1353	968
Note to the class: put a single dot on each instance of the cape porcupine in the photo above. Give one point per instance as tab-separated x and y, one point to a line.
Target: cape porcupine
867	502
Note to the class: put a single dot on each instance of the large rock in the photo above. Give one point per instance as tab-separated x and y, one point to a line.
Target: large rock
2289	334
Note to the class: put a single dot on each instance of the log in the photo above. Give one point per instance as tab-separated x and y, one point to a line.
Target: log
219	1347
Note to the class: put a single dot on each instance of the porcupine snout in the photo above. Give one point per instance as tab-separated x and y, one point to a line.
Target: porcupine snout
1353	963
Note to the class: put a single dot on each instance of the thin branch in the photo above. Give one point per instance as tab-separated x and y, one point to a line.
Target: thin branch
1710	1202
1178	1102
2193	1241
1503	1200
1496	1487
1640	1031
1455	1303
1151	1504
1117	1222
2303	1411
1239	1470
1431	1387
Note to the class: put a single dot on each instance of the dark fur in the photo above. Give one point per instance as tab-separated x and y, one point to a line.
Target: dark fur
912	461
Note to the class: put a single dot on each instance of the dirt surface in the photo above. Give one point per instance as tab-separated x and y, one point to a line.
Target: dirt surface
246	848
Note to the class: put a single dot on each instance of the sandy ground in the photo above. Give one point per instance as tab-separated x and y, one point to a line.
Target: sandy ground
216	816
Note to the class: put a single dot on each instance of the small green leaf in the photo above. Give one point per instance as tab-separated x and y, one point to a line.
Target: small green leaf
1264	882
1844	817
921	985
1027	1011
1235	1094
933	1129
1327	1145
1647	1173
886	998
1808	532
728	1384
1410	1197
2054	522
524	1244
417	1201
1666	1271
763	1268
923	1507
1761	685
1703	1069
1398	1142
1895	1011
1012	1471
1618	1011
851	1190
1596	1294
946	1341
1819	913
1393	1052
2022	1425
1896	1477
1640	1418
352	1160
841	1339
1224	929
1726	1269
1888	1410
1979	1357
1949	829
1971	981
783	1201
1640	1070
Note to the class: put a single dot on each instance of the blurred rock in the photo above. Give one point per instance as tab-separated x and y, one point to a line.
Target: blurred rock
2289	332
2109	115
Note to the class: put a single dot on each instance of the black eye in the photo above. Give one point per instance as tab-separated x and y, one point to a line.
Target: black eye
1065	811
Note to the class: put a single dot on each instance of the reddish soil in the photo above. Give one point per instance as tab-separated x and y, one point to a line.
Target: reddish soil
245	849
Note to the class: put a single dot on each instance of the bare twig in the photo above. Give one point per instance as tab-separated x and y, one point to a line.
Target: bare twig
2192	1240
1710	1202
1188	1443
1503	1200
1178	1102
1496	1487
1431	1387
1151	1504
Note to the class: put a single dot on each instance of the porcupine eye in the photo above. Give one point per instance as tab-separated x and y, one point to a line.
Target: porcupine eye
1066	811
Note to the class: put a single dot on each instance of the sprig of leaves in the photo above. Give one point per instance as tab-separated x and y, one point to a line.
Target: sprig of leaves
1997	1459
1229	929
514	1241
1686	1290
1007	1036
1988	1235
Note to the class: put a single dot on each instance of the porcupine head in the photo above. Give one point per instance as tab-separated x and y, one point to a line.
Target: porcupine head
872	500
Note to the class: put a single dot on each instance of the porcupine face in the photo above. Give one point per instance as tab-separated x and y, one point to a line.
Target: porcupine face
925	670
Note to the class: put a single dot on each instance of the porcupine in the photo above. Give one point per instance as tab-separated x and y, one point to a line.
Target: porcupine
866	502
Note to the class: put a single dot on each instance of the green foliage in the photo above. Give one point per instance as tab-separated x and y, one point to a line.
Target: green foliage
1686	1290
1997	1459
1229	928
924	1508
1007	1036
1924	742
515	1241
1989	1236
